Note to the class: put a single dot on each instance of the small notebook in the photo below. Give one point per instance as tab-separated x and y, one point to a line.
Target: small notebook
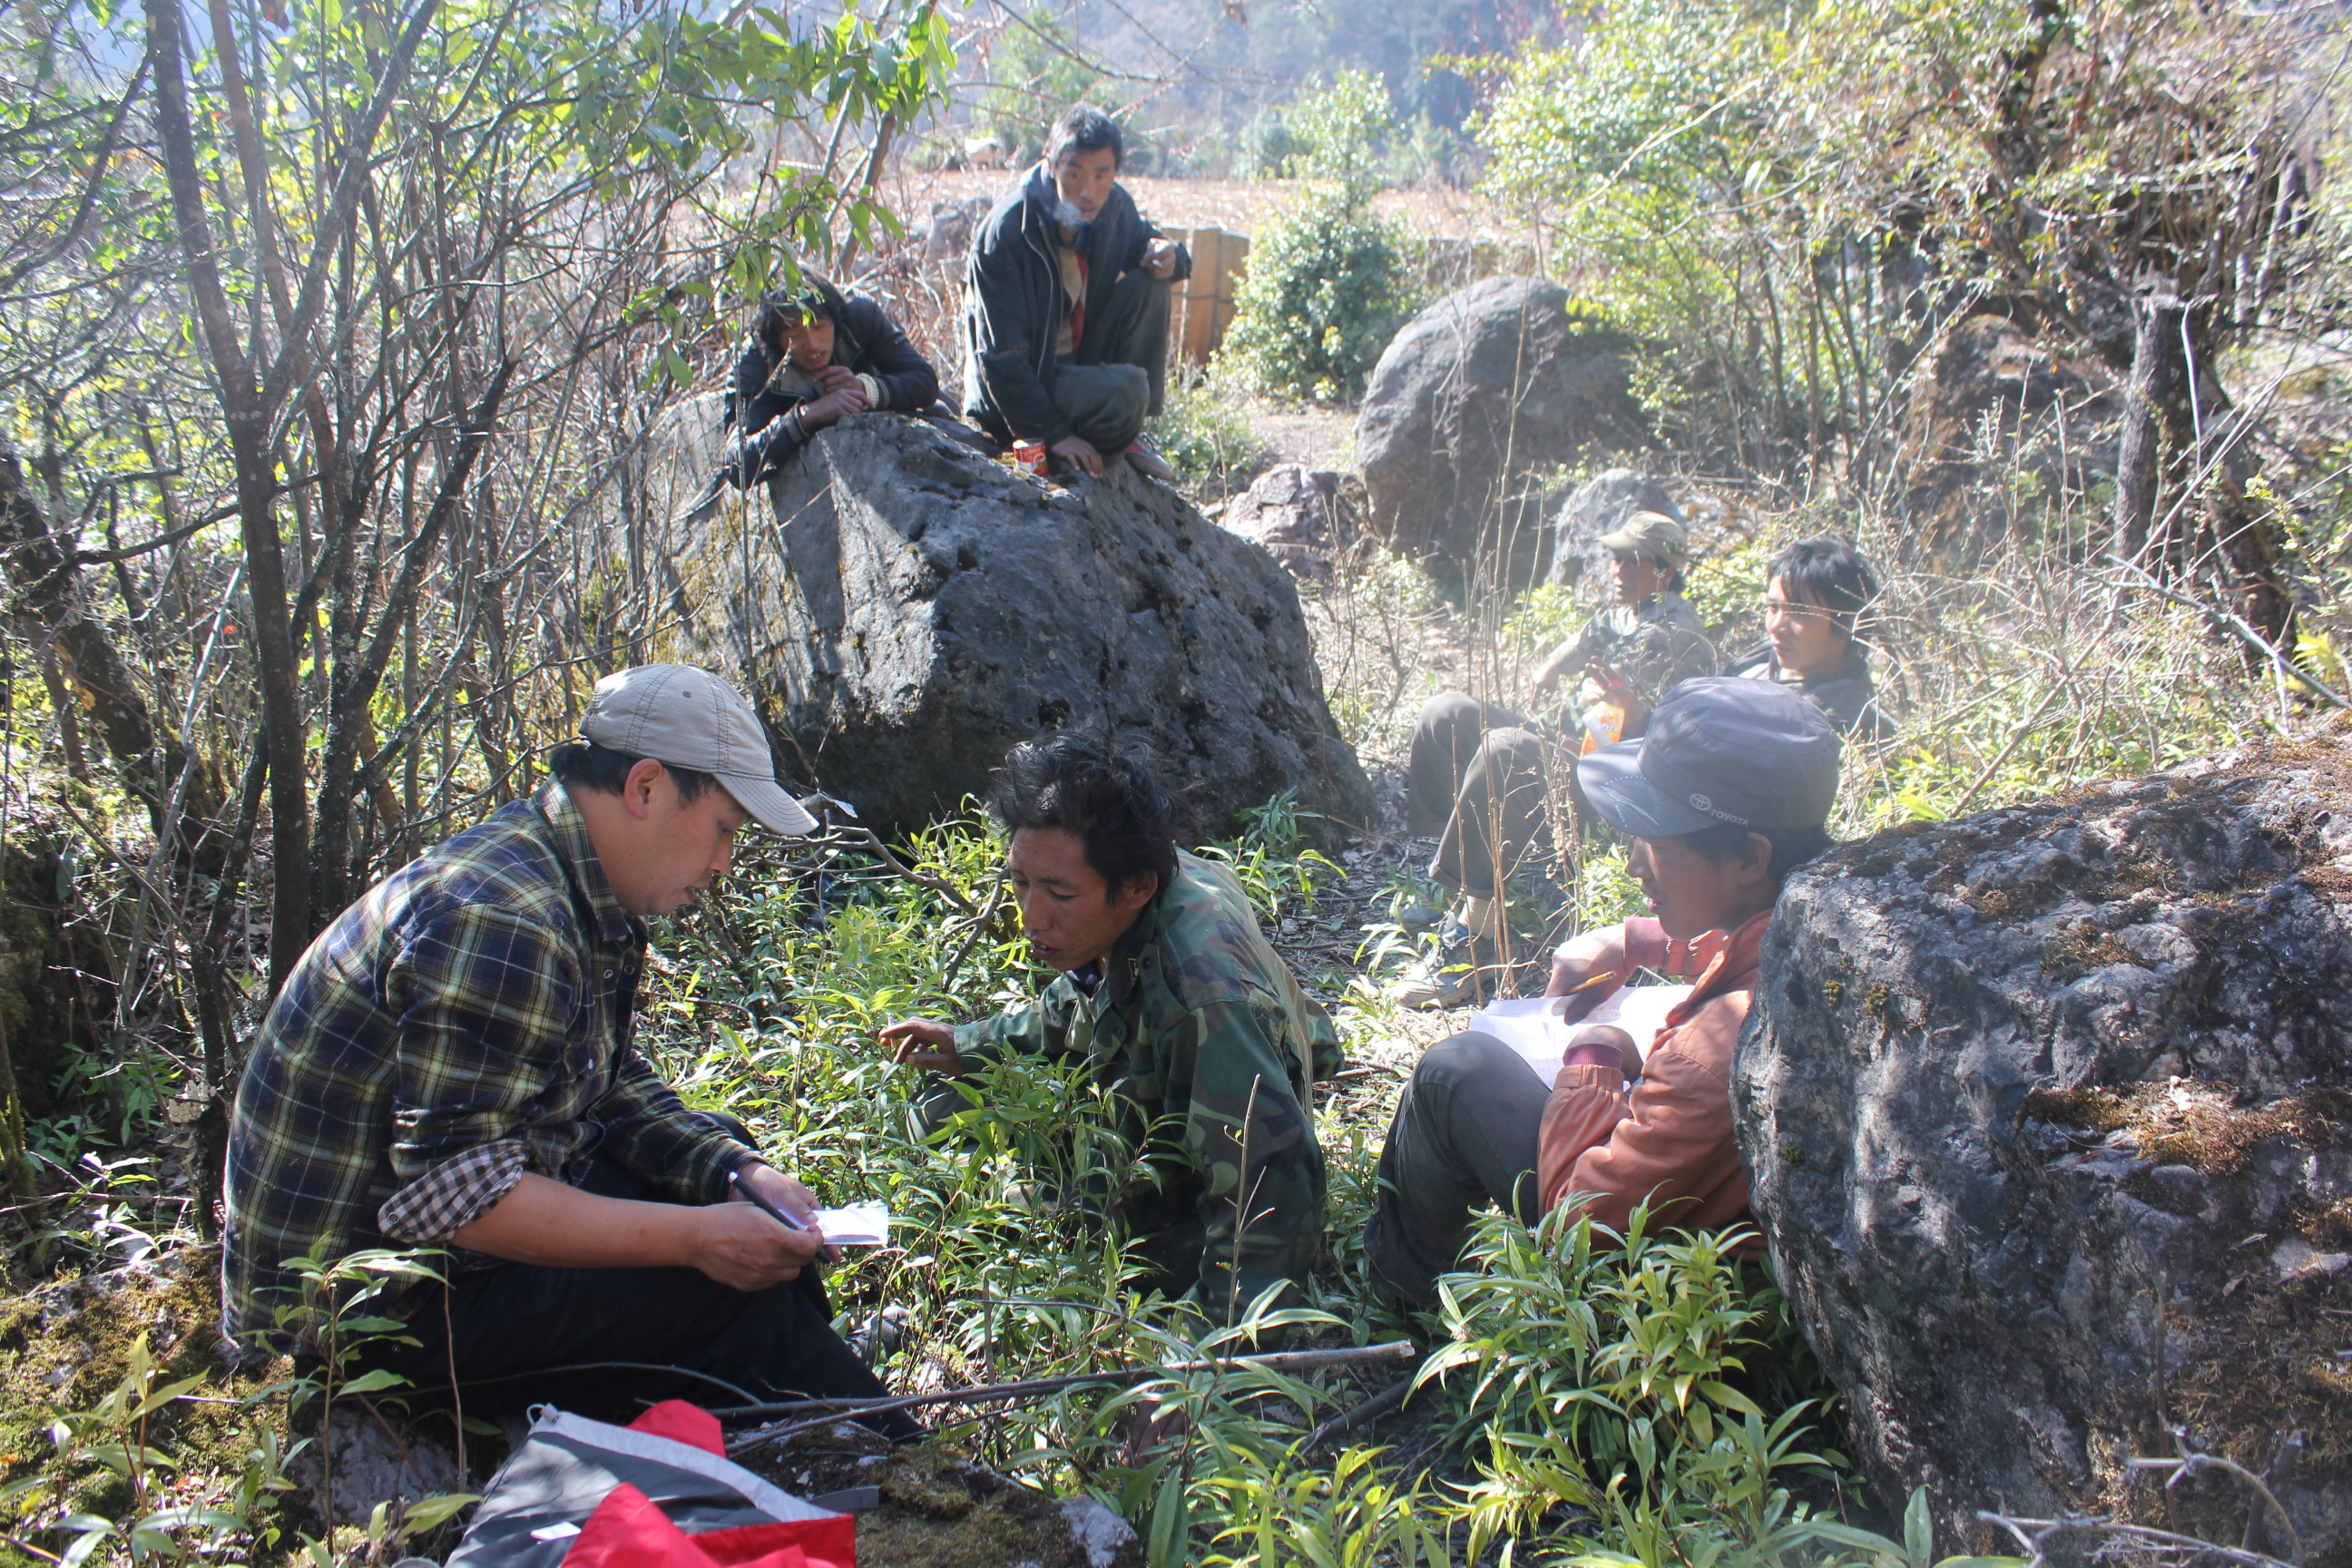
856	1225
1528	1025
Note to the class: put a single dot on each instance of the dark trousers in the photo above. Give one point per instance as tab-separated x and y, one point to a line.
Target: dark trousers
1476	778
507	1336
1108	395
1465	1134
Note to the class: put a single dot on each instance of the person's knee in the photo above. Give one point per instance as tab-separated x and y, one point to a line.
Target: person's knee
734	1128
1458	1060
1127	393
1514	747
1448	713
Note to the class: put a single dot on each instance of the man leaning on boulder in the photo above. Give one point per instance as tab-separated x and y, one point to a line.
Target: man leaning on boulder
449	1065
1725	794
1067	304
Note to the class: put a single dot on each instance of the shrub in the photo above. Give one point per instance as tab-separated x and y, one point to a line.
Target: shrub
1204	436
1325	291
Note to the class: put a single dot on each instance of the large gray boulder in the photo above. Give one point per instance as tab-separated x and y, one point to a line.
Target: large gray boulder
906	609
1481	389
2048	1116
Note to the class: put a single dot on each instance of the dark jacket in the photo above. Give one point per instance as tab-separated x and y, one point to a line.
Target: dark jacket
865	340
1013	304
1849	699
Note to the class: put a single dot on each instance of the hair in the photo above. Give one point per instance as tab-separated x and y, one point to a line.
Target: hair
1829	571
1084	128
587	765
1791	847
1114	803
786	307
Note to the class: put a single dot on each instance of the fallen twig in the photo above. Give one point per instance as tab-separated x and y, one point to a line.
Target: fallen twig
1370	1410
2032	1532
1036	1387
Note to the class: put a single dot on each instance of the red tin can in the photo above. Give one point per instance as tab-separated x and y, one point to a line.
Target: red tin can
1029	457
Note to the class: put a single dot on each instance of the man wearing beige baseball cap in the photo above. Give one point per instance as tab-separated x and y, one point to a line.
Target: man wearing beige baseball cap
450	1066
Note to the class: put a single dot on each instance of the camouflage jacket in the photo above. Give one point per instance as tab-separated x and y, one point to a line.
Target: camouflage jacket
1656	646
1197	1025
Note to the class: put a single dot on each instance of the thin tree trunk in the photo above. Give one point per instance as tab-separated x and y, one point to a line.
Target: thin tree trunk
248	418
2159	382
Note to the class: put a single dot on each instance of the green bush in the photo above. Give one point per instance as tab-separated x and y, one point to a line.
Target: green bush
1270	147
1202	434
1325	291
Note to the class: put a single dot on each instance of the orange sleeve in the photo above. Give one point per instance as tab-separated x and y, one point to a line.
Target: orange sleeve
1588	1100
1672	1143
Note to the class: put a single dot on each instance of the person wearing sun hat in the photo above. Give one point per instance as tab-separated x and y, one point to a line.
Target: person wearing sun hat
1478	775
1727	791
450	1065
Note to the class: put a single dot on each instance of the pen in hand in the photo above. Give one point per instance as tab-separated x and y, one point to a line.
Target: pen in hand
780	1216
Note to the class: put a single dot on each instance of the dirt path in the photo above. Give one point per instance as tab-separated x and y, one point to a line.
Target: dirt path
1317	437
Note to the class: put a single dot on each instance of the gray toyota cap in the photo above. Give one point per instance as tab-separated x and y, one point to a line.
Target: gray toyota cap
690	717
1721	748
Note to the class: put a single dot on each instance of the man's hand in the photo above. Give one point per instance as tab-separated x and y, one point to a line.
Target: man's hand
737	1245
1159	257
1547	673
1080	454
924	1043
543	1221
834	377
1618	691
1588	971
785	1192
820	412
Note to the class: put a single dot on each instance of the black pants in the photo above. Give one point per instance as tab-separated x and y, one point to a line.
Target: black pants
1465	1134
1108	395
507	1333
1476	778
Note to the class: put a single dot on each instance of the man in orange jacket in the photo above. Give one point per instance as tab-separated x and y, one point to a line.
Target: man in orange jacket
1723	796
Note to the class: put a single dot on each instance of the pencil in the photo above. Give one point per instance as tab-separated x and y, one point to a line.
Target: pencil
1588	984
764	1207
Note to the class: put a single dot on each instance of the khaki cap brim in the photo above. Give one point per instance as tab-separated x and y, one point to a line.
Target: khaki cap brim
770	805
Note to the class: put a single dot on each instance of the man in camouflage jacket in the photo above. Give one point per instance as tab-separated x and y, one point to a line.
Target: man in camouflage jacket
1183	1011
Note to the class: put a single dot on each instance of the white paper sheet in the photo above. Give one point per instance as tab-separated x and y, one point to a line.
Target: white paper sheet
1529	1026
856	1225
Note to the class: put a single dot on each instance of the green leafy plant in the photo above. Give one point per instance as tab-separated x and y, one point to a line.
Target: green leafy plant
1326	290
1205	434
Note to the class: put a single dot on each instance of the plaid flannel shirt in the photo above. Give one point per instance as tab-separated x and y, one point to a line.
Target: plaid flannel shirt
464	1023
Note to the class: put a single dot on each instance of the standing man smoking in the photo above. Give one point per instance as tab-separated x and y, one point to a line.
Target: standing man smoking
450	1065
1067	304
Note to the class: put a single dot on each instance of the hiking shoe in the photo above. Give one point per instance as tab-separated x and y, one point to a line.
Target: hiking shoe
1462	968
879	1334
1417	916
1149	463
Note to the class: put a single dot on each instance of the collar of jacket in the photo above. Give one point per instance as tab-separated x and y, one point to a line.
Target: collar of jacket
1122	966
567	831
1855	667
1735	957
1037	199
